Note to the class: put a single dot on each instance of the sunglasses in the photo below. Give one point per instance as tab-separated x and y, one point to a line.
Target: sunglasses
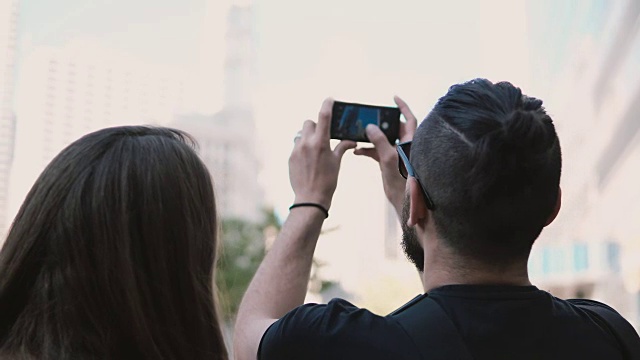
406	170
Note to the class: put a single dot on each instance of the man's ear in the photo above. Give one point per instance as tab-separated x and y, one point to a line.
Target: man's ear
418	209
556	209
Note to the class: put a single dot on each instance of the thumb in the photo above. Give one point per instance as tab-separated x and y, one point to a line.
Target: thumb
343	146
370	152
378	139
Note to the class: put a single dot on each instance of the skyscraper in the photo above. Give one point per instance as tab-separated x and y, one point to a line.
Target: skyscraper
66	92
227	138
79	88
8	35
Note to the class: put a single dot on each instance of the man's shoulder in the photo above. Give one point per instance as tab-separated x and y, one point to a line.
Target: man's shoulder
601	313
614	323
335	330
591	304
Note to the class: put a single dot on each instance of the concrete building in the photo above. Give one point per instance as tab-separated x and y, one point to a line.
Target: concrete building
66	92
8	36
227	142
592	249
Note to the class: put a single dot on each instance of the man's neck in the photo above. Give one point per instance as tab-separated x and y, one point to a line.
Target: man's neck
450	270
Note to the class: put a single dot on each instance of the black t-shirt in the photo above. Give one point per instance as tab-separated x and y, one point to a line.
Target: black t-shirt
495	322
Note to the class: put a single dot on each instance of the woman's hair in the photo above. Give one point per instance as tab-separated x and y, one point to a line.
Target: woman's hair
112	254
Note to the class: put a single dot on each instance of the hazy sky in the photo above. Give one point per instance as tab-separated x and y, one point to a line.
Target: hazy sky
363	51
165	31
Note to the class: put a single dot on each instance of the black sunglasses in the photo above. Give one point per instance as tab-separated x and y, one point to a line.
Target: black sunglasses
406	170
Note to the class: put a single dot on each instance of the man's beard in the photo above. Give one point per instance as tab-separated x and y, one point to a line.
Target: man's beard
410	244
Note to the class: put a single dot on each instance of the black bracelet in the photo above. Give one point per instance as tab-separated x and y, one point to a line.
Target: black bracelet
325	211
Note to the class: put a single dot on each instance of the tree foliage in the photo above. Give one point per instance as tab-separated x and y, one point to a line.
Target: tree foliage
242	251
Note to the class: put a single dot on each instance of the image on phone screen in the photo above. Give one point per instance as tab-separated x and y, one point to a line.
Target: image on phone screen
349	121
354	121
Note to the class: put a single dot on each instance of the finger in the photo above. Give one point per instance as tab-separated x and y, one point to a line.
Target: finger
324	119
308	128
412	122
378	139
370	152
343	146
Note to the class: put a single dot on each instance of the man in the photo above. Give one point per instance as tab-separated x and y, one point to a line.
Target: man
483	174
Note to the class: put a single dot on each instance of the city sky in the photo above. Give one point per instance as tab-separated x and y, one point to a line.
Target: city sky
352	50
355	50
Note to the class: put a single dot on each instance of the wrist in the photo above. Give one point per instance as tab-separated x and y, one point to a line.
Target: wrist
322	201
395	197
311	205
397	203
309	210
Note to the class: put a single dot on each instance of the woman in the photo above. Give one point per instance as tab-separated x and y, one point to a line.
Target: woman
112	254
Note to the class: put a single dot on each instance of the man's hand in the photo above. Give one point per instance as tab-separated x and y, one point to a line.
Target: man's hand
280	284
313	166
385	154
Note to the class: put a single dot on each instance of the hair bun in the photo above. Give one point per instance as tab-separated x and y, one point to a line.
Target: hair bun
511	151
527	132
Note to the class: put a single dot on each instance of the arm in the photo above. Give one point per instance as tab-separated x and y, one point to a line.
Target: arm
387	157
280	284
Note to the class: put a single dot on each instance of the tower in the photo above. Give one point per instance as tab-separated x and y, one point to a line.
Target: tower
227	139
240	59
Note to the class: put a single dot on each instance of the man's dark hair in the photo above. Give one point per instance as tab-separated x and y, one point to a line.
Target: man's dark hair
490	158
112	254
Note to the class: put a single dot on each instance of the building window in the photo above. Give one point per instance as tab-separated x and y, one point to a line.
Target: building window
613	256
553	260
546	261
580	257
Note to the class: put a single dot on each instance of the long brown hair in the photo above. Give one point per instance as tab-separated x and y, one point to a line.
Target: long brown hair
112	254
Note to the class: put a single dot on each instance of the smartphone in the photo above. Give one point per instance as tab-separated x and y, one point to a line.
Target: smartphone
349	120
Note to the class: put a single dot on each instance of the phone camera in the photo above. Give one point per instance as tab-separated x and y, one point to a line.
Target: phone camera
384	125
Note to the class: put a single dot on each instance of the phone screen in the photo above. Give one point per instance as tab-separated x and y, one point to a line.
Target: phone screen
350	120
